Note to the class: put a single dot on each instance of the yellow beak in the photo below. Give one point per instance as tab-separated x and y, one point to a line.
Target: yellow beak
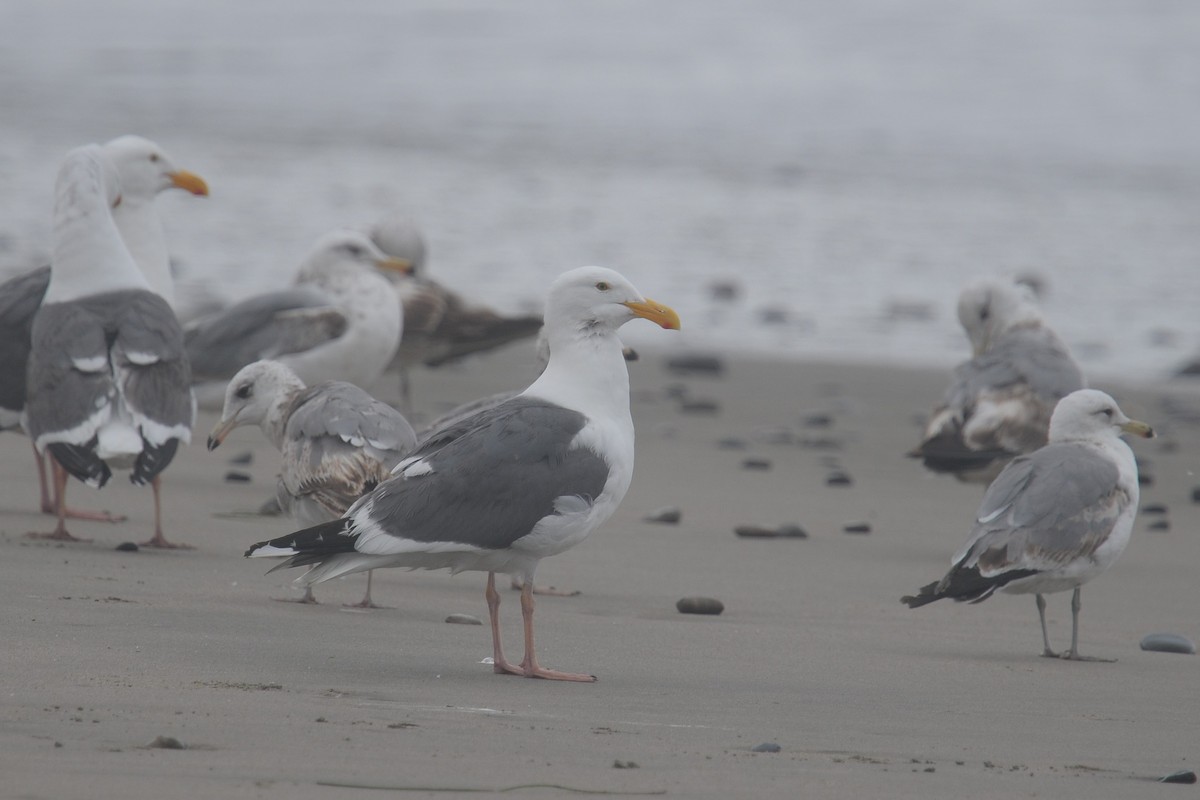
1138	428
189	182
655	312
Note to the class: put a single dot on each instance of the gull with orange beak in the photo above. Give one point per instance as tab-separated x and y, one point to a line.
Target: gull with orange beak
514	483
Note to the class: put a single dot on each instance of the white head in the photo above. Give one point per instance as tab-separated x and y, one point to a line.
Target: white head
256	395
990	307
348	247
145	170
596	301
400	237
1092	414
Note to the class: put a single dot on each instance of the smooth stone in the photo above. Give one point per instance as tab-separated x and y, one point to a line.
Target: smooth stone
167	743
696	364
857	527
619	764
1154	508
1168	643
463	619
792	532
233	476
766	747
243	459
1183	776
699	406
818	420
725	290
756	463
1159	525
755	532
732	443
700	605
1196	495
127	547
1145	479
838	479
667	515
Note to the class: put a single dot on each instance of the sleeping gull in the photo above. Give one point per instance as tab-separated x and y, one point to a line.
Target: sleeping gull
1053	519
340	321
338	442
999	403
440	326
143	171
528	478
109	384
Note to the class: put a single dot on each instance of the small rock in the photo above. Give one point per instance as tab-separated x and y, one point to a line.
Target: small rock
838	479
1154	508
725	290
166	743
243	459
619	764
233	476
700	605
733	443
1196	495
756	463
857	527
1159	525
1183	776
699	406
1145	479
766	747
668	515
463	619
127	547
782	532
818	421
1168	643
696	364
792	532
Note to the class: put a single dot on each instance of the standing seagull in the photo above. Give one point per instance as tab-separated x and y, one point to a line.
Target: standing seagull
527	479
338	442
999	403
143	171
1054	519
109	384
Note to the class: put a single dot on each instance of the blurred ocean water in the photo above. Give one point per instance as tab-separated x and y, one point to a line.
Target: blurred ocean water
843	167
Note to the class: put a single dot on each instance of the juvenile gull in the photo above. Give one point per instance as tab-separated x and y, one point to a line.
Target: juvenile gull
1053	519
999	403
337	442
109	385
143	171
339	321
526	479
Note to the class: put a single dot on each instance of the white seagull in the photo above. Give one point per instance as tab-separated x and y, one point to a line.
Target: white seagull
999	403
526	479
337	441
1053	519
109	385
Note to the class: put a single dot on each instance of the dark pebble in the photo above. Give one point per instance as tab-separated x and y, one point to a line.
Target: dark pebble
668	515
756	463
759	532
243	459
1159	525
167	743
127	547
821	443
696	364
1183	776
699	406
1154	508
725	290
818	421
838	479
619	764
463	619
731	443
792	532
857	527
700	605
1196	495
1168	643
233	476
766	747
1145	479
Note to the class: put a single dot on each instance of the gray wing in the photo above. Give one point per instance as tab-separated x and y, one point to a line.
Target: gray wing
266	326
20	298
490	479
455	416
1044	510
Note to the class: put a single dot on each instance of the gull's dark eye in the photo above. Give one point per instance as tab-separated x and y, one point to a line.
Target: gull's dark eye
1107	412
603	286
154	159
354	250
244	391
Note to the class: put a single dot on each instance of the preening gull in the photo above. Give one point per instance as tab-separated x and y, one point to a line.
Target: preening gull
526	479
339	321
109	385
999	402
440	326
337	441
1053	519
143	171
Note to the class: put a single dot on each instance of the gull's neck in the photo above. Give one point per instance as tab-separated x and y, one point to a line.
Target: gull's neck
274	421
586	371
141	229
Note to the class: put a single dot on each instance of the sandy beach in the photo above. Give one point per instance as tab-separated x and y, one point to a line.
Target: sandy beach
107	650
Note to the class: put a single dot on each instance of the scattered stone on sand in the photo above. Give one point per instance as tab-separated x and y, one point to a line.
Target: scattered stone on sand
127	547
1145	479
756	463
1154	508
699	406
166	743
667	515
838	478
1159	525
696	364
234	476
700	605
244	458
725	290
766	747
734	443
790	531
818	421
463	619
1168	643
857	527
786	531
1182	776
619	764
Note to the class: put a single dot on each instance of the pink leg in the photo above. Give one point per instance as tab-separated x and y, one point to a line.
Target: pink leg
59	533
159	540
366	601
531	669
500	664
50	506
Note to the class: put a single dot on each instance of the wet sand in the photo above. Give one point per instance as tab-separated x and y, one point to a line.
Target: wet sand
105	651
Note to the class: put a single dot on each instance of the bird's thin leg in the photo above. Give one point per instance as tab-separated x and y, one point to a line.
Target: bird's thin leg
1073	653
529	666
1041	607
366	601
60	533
159	540
50	505
500	664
